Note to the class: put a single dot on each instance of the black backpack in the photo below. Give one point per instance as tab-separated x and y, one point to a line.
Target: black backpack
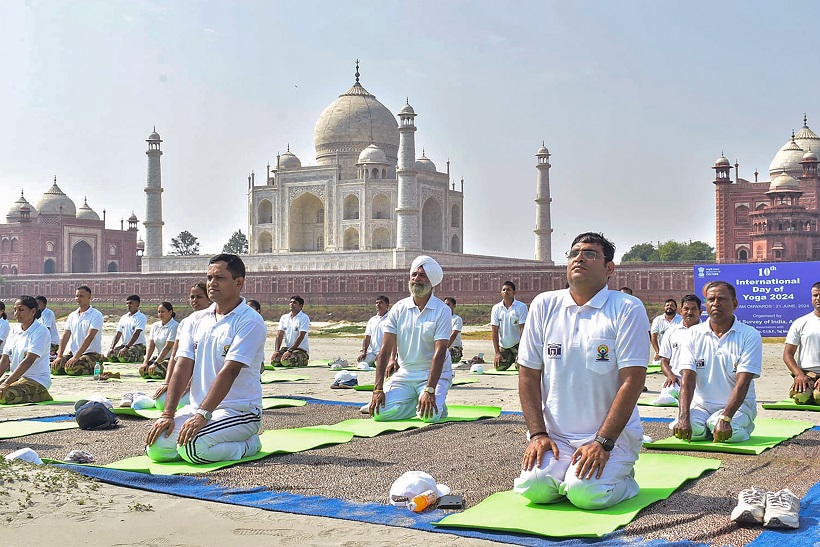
95	415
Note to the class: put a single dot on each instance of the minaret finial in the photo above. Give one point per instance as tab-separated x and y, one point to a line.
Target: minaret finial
805	120
407	100
55	179
155	128
21	192
357	71
423	153
288	147
792	134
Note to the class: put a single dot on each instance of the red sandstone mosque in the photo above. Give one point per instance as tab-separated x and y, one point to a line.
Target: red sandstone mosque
770	221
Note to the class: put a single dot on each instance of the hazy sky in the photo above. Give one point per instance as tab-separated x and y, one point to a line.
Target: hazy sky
635	101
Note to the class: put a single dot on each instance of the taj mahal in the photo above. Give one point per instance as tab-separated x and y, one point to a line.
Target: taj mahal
369	202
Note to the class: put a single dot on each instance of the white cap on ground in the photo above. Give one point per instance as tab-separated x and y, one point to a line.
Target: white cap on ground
25	454
413	483
344	376
477	369
364	366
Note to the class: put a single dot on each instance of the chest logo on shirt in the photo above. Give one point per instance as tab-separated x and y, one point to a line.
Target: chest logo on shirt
603	353
225	349
700	363
553	351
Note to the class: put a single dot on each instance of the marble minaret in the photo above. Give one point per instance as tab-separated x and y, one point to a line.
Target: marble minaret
153	198
543	223
407	211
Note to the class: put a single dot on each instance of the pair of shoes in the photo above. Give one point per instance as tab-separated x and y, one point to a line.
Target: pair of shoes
338	364
108	375
772	509
79	456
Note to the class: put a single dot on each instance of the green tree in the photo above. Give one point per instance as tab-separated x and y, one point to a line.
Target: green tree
185	244
671	251
642	252
237	244
698	251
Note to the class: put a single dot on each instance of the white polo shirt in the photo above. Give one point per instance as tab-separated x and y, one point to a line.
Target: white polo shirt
509	321
580	350
416	334
805	334
292	326
129	324
162	334
237	336
716	361
375	331
50	322
675	338
5	329
458	325
78	324
36	340
660	325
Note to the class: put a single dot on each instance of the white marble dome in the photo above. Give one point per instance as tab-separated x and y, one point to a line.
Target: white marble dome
352	122
425	164
407	109
14	211
55	202
721	161
784	181
372	154
787	158
87	213
809	156
288	160
543	151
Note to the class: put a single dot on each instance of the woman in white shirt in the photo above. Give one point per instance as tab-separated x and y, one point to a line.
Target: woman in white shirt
25	355
163	335
4	326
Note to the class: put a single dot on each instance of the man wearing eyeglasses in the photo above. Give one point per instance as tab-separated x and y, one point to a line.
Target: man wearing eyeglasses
583	359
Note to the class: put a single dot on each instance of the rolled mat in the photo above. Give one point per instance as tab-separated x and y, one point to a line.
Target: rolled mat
153	413
788	404
657	474
277	376
767	434
275	441
21	428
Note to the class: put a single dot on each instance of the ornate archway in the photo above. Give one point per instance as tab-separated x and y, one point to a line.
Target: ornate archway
431	225
306	225
82	258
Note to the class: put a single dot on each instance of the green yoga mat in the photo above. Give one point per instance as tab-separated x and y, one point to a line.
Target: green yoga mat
657	474
767	434
653	369
275	441
788	404
648	402
456	382
55	402
319	362
276	376
153	413
368	427
21	428
493	372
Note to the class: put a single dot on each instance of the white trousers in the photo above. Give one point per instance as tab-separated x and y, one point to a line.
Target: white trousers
556	479
703	419
230	435
401	399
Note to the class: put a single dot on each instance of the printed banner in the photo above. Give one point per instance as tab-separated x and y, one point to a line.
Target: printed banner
769	296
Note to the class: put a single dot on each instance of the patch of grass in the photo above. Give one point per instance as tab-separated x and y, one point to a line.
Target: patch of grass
140	507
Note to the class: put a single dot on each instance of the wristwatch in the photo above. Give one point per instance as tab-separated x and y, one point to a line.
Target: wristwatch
725	418
430	390
204	413
607	444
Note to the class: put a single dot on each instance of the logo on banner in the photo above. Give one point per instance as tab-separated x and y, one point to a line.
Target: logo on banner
701	271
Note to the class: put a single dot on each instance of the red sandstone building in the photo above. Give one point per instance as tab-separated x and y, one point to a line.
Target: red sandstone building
57	237
770	221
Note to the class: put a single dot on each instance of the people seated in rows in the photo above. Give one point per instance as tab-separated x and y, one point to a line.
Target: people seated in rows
131	330
219	354
82	337
455	345
373	332
161	339
718	364
661	324
50	322
292	339
507	319
673	340
25	357
583	363
801	354
418	328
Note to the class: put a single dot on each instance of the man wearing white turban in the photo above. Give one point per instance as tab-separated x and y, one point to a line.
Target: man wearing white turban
419	327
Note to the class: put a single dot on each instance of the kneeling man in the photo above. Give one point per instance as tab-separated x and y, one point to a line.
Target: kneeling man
583	358
718	365
419	326
219	353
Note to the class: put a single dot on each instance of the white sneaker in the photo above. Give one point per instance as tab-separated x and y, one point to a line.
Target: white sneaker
665	400
751	504
781	510
127	399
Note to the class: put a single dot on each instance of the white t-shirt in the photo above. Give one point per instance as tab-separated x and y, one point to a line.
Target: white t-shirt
162	334
79	324
375	331
580	350
292	326
716	362
660	325
36	340
805	334
129	324
458	325
50	322
416	335
4	332
675	338
237	336
509	321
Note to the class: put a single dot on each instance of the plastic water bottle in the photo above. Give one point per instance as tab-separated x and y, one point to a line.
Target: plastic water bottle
422	501
97	370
